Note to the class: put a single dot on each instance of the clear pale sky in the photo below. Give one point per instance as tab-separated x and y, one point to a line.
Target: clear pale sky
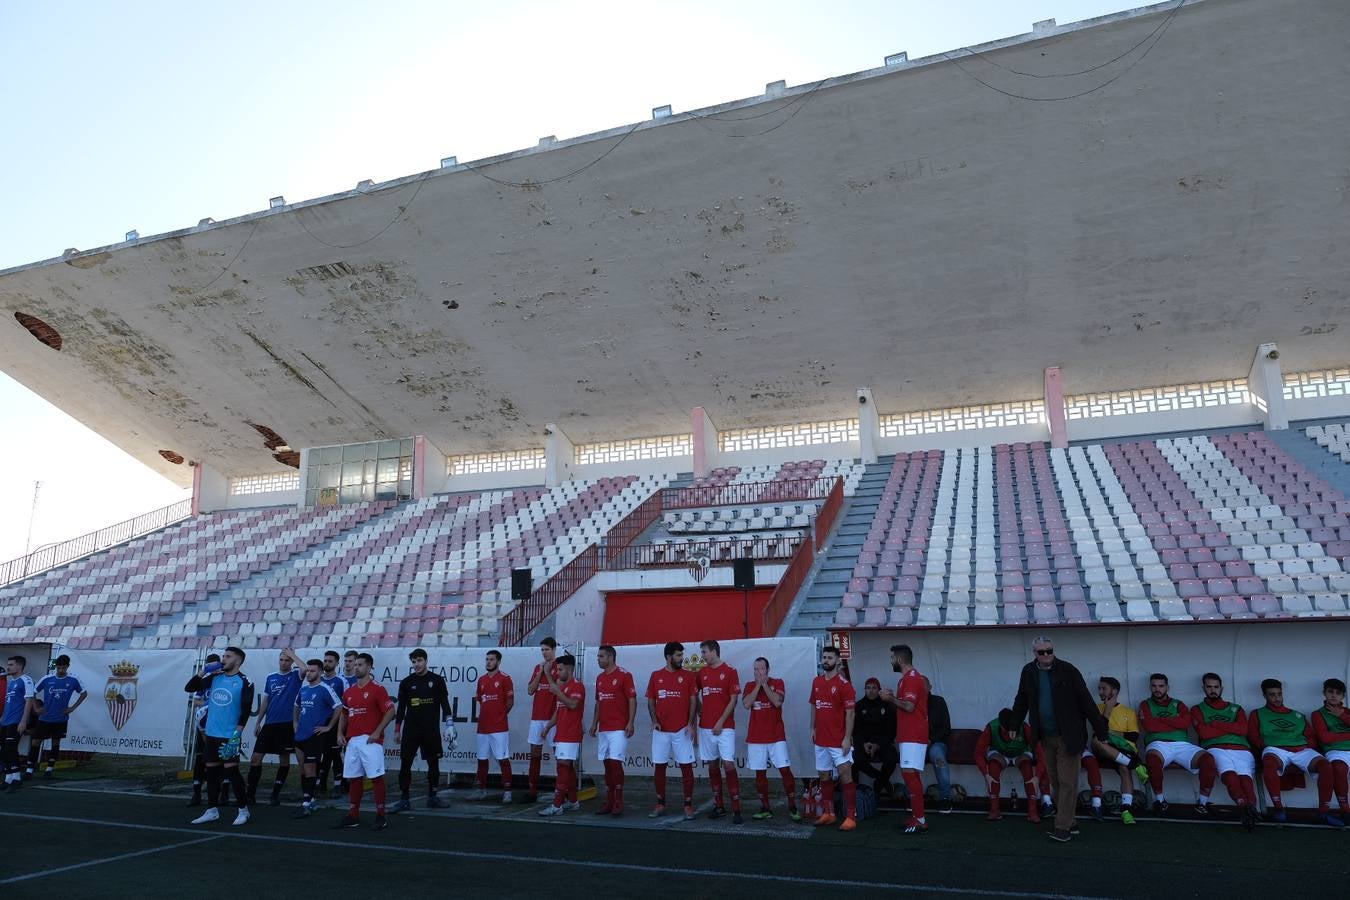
154	115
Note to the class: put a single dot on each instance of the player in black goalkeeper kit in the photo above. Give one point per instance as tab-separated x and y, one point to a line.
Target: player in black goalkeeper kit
423	704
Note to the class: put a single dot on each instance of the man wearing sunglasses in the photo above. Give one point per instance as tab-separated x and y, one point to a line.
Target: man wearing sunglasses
1061	711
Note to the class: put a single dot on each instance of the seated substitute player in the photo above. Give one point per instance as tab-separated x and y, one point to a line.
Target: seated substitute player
275	729
15	719
766	739
229	703
1285	738
566	723
496	696
1331	727
1119	749
613	722
672	701
1222	729
718	687
832	701
1006	743
366	712
423	704
53	708
316	714
541	710
1165	723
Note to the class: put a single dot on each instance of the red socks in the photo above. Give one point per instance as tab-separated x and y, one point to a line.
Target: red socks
1028	780
378	785
1325	782
536	764
354	792
733	786
614	782
1341	775
1155	772
1209	771
687	776
715	779
995	779
915	785
1094	775
827	797
762	788
565	786
505	766
789	786
850	800
1270	775
660	779
482	774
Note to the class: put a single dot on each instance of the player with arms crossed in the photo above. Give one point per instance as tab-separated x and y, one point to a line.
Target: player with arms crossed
541	710
315	718
367	711
275	730
718	687
672	697
766	740
911	731
1286	739
1222	729
1331	727
832	701
54	708
568	717
496	696
423	705
612	722
229	703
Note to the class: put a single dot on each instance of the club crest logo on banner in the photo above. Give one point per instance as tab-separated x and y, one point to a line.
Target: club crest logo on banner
698	568
120	692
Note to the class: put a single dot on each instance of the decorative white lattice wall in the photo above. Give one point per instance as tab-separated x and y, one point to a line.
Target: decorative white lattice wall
772	437
1322	383
963	418
503	461
1171	398
265	484
634	449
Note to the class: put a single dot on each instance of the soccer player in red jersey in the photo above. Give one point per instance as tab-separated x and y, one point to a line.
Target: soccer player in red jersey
1331	727
541	710
1222	729
367	711
911	731
1286	738
612	722
718	687
1005	744
765	739
568	714
672	697
832	701
496	695
1165	724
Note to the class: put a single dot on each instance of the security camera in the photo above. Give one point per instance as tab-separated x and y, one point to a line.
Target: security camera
548	432
862	399
1273	354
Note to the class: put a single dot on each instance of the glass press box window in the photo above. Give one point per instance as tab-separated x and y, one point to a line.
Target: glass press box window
354	473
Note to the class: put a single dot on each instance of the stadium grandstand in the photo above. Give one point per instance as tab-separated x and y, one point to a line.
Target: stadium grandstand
953	357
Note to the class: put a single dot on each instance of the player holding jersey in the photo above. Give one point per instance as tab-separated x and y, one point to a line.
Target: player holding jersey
275	730
229	703
1165	724
612	722
911	731
568	716
15	719
718	687
766	740
367	711
315	718
496	695
672	697
1222	729
1331	727
541	710
53	706
832	701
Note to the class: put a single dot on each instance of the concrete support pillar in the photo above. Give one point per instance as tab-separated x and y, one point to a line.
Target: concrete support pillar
1054	408
210	489
559	454
1266	382
429	468
869	426
705	442
196	488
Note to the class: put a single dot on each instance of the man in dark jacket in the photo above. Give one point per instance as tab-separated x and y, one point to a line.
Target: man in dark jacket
874	752
1054	693
939	736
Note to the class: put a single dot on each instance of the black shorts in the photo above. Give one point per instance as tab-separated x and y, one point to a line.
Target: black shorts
211	750
278	738
314	747
427	740
9	733
46	731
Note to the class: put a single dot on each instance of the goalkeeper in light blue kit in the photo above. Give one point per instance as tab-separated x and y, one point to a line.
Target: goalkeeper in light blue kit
229	702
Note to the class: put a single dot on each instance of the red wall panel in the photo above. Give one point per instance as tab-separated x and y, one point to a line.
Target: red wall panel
654	617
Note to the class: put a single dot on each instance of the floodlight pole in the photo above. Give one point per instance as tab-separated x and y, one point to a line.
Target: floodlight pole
32	514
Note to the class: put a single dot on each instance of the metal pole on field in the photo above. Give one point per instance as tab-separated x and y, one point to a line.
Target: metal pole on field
32	513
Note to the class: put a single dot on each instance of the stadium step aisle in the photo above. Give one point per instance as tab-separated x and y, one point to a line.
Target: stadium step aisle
1324	450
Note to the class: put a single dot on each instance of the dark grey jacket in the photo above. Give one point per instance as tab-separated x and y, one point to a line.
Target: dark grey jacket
1074	707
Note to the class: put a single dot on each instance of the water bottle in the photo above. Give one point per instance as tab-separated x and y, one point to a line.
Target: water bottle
1012	805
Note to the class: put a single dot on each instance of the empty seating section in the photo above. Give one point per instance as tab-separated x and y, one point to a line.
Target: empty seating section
790	471
1335	438
1227	527
129	588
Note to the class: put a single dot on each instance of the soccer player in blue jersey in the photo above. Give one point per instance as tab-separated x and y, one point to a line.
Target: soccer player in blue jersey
53	697
274	732
15	719
229	703
317	710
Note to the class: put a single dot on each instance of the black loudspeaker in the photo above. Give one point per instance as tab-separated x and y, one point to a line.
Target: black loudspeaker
744	573
522	584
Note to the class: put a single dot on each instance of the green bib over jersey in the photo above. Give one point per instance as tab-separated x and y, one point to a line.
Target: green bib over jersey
1011	749
1228	715
1281	729
1165	712
1341	741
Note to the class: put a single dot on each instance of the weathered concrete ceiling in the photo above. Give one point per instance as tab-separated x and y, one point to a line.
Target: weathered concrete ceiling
913	231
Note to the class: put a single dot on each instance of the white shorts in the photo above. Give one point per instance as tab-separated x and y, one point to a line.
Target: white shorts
672	747
537	735
1340	756
1303	759
1009	762
913	756
611	745
1174	753
713	747
364	758
829	759
1239	761
761	755
494	746
566	752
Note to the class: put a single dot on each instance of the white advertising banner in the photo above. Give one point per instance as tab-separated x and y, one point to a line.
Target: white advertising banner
136	702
